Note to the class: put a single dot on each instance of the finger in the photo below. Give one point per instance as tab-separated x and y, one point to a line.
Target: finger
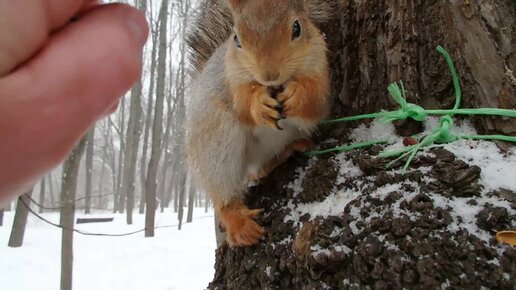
271	113
23	29
272	103
72	82
25	26
59	12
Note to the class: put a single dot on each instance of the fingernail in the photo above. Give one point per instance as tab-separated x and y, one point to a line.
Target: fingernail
138	26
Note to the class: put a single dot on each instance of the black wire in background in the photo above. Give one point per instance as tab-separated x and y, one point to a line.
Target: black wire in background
93	234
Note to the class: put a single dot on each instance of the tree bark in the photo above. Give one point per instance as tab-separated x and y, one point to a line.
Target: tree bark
181	202
90	142
148	121
42	194
371	44
1	217
68	196
51	192
119	198
20	220
191	199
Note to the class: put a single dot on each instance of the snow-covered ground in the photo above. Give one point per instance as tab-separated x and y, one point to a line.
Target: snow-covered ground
171	260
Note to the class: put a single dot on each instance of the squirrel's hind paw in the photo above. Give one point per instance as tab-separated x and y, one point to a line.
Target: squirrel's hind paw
241	229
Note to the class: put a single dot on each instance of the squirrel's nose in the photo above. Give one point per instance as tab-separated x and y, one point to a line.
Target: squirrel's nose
271	76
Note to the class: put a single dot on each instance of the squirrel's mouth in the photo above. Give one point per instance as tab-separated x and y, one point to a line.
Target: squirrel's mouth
272	84
275	90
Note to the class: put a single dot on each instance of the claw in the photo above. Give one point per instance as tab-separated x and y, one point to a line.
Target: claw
278	126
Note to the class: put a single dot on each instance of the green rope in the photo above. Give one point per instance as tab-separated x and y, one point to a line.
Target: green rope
441	134
352	118
395	115
455	78
490	137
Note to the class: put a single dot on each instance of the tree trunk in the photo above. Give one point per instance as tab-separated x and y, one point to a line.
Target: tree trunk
151	183
1	217
148	121
90	142
20	220
119	198
51	191
42	194
68	196
100	189
368	243
181	202
191	199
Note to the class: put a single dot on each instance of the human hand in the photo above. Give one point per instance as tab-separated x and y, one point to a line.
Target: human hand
57	77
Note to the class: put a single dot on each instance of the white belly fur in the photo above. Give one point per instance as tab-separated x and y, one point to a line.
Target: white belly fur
267	142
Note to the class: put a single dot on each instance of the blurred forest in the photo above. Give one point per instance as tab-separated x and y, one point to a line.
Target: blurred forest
136	151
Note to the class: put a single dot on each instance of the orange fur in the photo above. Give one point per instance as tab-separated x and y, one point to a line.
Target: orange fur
241	229
305	98
254	106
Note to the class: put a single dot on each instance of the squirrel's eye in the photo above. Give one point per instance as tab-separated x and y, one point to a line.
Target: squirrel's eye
296	30
237	42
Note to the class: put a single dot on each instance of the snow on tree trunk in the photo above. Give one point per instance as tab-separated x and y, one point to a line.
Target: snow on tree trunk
20	220
429	229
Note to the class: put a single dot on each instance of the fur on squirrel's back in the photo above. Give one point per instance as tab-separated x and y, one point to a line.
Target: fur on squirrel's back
215	142
213	25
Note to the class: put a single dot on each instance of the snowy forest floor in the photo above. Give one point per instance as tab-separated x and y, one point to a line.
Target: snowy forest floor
173	259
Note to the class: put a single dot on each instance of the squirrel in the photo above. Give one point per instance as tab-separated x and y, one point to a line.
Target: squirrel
255	100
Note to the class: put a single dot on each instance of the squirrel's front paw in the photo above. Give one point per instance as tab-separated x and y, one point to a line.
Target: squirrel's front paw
241	229
291	99
265	110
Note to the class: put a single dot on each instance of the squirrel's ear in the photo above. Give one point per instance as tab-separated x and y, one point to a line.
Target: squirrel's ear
235	5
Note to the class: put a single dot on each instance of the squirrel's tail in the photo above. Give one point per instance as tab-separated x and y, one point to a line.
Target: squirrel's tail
213	24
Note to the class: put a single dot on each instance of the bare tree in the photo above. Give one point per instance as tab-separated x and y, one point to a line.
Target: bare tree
181	202
90	142
119	198
68	195
20	220
191	198
148	115
42	194
151	184
51	192
134	130
104	158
